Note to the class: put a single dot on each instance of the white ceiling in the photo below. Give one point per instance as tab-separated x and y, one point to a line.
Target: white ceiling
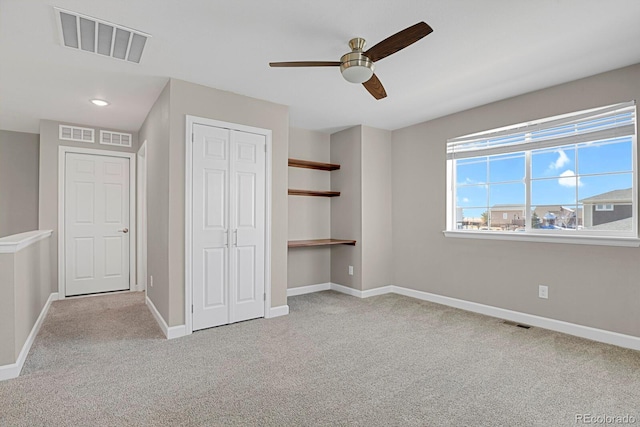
479	52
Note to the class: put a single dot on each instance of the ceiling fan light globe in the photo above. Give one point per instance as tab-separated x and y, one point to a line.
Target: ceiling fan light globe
356	68
357	74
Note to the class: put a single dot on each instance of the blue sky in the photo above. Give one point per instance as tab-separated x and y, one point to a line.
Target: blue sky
560	175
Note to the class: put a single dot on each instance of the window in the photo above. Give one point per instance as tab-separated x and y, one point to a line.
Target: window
570	175
604	207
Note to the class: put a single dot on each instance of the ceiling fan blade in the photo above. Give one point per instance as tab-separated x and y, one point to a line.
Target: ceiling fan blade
398	41
375	88
305	64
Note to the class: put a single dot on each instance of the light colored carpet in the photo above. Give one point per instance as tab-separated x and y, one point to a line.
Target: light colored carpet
335	360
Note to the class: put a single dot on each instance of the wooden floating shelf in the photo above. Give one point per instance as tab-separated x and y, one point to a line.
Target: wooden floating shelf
293	192
297	163
319	242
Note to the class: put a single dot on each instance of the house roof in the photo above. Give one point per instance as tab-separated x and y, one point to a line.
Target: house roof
473	57
537	207
615	196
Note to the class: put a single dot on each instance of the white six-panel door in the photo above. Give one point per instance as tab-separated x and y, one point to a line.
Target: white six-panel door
96	224
228	226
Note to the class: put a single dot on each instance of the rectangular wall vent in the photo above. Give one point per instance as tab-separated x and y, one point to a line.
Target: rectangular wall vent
94	35
74	133
115	138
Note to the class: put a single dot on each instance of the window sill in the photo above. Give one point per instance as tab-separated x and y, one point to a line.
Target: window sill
631	242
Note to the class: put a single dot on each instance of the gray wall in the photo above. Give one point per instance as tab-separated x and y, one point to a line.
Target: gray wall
32	288
48	179
25	278
18	182
346	210
363	210
595	286
377	251
309	217
7	310
155	130
191	99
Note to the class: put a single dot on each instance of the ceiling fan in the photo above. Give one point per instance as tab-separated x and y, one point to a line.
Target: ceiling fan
357	66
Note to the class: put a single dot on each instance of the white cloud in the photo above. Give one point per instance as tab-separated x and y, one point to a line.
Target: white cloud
472	181
465	200
568	179
561	161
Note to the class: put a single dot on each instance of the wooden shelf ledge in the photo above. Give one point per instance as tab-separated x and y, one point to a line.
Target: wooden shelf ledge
319	242
293	192
308	164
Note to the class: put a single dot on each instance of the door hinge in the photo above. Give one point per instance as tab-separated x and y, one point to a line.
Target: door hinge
264	297
192	137
191	308
265	148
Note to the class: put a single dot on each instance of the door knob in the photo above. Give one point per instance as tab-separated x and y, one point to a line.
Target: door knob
124	230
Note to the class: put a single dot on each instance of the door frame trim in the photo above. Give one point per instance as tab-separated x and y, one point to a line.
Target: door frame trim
141	218
188	257
62	151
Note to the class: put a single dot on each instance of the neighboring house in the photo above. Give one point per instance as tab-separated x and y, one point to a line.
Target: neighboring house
507	217
607	207
467	223
470	224
512	217
559	216
619	225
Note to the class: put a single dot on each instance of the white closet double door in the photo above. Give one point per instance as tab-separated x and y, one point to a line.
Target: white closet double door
228	226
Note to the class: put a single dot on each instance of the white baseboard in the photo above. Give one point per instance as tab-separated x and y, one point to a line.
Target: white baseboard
338	288
346	290
281	310
600	335
176	332
13	370
169	332
377	291
292	292
361	294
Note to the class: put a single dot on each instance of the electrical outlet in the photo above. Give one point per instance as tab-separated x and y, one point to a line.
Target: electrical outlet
543	291
351	270
151	281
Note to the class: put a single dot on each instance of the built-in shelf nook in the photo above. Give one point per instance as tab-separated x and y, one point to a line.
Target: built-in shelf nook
307	164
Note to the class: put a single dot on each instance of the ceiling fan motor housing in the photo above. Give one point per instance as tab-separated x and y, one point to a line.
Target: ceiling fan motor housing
354	66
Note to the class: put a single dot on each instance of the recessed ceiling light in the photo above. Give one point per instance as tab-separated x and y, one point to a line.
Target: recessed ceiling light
99	102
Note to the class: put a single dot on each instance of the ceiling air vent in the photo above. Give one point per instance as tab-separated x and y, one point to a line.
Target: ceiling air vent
74	133
97	36
115	138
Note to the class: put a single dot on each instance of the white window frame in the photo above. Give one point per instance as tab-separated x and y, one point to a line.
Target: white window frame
604	207
590	237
